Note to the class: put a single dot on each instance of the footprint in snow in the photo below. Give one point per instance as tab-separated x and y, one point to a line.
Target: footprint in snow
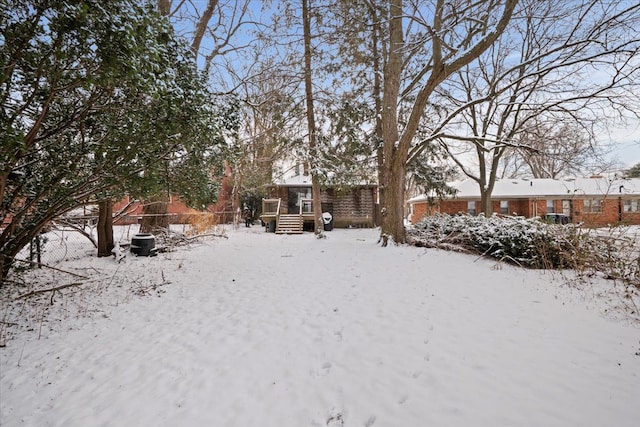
335	420
324	370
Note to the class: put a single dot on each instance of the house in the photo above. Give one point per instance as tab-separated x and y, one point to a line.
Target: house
288	207
130	210
178	212
596	201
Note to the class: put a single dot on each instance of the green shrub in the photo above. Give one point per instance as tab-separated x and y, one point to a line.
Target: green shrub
526	242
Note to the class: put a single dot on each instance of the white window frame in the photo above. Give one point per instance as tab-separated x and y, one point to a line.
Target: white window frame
550	205
504	207
471	208
592	206
631	205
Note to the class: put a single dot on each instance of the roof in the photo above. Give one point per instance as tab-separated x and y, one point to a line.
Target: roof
546	188
299	180
302	180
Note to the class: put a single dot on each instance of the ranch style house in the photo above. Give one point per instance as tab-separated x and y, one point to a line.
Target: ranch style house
596	202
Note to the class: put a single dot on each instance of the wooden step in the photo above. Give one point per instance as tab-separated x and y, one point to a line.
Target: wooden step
289	224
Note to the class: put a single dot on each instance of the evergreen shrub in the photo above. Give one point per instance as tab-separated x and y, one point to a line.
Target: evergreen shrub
523	241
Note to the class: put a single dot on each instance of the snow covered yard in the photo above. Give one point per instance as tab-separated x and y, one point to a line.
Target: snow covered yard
270	330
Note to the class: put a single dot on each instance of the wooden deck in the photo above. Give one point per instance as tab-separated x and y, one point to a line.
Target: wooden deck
285	223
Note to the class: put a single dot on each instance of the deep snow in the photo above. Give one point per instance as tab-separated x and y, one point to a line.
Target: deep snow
273	330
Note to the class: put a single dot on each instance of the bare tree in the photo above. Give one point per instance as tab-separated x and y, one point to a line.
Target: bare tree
449	37
272	127
217	24
562	62
556	148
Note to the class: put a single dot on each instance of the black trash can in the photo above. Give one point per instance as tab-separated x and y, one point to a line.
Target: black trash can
327	219
272	226
143	244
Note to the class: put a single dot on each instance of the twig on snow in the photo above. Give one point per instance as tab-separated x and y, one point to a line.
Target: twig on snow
42	291
52	268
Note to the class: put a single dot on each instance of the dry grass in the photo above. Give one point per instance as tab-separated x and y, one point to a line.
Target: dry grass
200	222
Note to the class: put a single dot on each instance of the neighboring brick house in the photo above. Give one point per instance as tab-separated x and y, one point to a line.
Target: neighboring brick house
177	210
595	201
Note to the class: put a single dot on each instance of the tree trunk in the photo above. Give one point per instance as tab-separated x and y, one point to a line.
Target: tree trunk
235	197
377	96
105	228
486	205
396	145
393	210
14	238
164	7
5	266
3	184
318	224
154	215
394	168
201	26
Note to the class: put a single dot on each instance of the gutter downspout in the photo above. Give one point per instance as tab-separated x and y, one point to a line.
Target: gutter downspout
620	203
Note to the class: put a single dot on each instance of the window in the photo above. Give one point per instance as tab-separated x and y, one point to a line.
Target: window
307	206
631	205
550	206
592	205
296	195
504	207
471	207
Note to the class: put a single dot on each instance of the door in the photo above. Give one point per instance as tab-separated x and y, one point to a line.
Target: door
296	194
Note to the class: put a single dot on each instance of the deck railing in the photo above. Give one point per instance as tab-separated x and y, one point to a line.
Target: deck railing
306	206
271	207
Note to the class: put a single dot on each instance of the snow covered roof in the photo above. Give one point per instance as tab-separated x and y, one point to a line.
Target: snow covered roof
299	180
546	188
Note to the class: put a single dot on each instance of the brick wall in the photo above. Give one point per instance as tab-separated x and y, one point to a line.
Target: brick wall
521	207
609	215
420	210
453	207
630	218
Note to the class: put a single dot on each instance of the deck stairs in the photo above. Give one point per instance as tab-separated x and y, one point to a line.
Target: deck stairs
289	224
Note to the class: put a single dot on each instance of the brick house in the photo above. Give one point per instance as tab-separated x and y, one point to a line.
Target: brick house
595	201
177	210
